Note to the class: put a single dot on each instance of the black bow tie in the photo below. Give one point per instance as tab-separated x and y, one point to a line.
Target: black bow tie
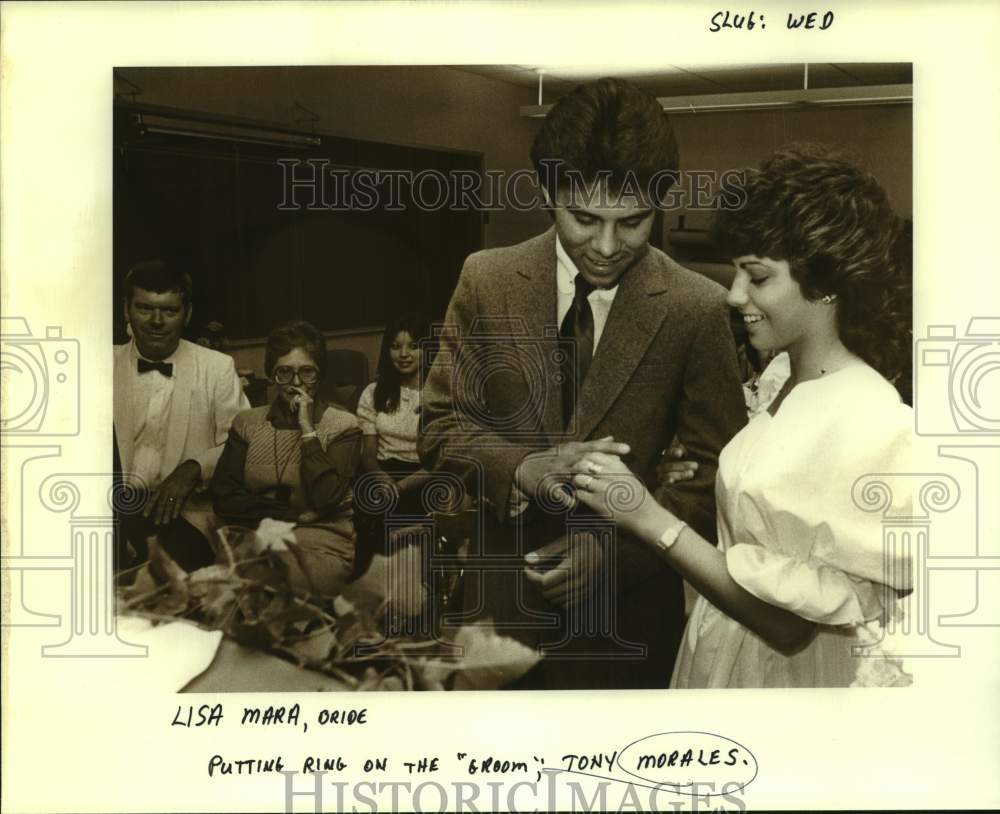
164	368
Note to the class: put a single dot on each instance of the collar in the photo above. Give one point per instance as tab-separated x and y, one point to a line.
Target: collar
566	272
281	417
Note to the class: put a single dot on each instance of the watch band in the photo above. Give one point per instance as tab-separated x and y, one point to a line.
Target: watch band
670	535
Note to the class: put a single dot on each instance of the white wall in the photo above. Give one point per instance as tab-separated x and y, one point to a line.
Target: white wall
881	137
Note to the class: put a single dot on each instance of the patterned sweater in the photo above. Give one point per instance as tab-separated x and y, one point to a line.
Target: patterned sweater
266	470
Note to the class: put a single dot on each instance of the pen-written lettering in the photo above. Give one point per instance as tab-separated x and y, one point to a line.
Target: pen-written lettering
581	763
809	21
723	20
685	758
206	716
266	716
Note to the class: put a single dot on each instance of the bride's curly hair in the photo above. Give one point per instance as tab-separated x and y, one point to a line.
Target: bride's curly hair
832	222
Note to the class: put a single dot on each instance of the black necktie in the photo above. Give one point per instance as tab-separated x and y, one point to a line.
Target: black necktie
164	368
578	325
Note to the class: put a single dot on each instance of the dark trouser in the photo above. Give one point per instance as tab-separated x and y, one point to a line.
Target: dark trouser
624	636
183	542
370	526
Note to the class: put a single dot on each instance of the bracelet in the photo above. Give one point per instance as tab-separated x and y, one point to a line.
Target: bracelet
312	434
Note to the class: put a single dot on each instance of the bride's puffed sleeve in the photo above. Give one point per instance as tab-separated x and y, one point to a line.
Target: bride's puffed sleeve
804	543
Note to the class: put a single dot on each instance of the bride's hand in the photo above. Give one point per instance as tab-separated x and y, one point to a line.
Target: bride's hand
595	463
610	488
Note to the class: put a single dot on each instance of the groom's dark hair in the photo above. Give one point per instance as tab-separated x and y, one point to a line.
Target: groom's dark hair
609	129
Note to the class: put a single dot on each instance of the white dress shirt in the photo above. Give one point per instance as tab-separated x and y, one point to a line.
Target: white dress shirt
151	399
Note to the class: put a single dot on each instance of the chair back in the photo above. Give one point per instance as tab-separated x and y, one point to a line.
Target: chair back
346	378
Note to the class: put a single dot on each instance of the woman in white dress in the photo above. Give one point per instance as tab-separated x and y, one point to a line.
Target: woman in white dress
798	578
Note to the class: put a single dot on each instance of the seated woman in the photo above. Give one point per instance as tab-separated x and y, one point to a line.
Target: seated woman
799	577
389	416
294	460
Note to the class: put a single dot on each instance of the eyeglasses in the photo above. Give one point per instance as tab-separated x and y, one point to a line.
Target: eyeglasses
284	374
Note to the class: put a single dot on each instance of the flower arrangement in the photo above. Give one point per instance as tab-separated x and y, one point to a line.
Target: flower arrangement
355	637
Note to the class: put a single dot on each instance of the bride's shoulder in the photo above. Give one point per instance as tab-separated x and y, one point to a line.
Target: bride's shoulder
860	406
867	389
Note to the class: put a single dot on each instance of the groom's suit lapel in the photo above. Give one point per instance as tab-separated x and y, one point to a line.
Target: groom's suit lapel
635	318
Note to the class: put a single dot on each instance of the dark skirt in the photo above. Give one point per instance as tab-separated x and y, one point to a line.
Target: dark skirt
371	526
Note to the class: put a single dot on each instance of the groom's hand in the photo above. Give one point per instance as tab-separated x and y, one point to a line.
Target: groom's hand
676	465
553	466
577	569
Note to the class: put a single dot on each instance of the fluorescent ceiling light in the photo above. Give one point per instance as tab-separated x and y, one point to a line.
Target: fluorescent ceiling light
772	100
168	125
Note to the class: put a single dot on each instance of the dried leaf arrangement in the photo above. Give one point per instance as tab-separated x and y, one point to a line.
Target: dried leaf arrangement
351	637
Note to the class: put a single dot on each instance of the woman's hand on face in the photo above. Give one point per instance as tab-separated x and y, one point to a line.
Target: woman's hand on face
302	407
605	484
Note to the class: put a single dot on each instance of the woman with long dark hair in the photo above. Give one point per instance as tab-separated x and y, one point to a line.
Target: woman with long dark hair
799	577
389	408
389	417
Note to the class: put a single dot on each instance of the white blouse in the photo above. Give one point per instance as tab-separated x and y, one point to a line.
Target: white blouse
794	537
396	432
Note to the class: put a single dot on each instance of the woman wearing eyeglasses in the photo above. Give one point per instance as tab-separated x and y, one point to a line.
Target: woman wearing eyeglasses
293	460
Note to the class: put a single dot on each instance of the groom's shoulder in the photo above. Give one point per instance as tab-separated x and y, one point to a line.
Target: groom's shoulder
683	284
502	260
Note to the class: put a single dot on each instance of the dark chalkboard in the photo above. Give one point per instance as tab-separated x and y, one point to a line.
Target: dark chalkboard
209	195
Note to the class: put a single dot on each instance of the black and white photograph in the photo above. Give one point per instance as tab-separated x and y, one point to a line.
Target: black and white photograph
550	383
402	381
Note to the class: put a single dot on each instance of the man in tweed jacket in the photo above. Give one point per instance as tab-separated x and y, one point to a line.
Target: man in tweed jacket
603	611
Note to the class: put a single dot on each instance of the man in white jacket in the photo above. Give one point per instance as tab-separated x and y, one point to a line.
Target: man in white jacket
174	402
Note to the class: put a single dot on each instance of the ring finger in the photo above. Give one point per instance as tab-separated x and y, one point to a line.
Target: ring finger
604	463
588	483
587	466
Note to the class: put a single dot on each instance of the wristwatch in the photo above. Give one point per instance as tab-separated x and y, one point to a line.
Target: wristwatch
670	534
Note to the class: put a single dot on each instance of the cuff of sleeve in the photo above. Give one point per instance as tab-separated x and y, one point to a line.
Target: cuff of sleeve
814	591
203	478
518	502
